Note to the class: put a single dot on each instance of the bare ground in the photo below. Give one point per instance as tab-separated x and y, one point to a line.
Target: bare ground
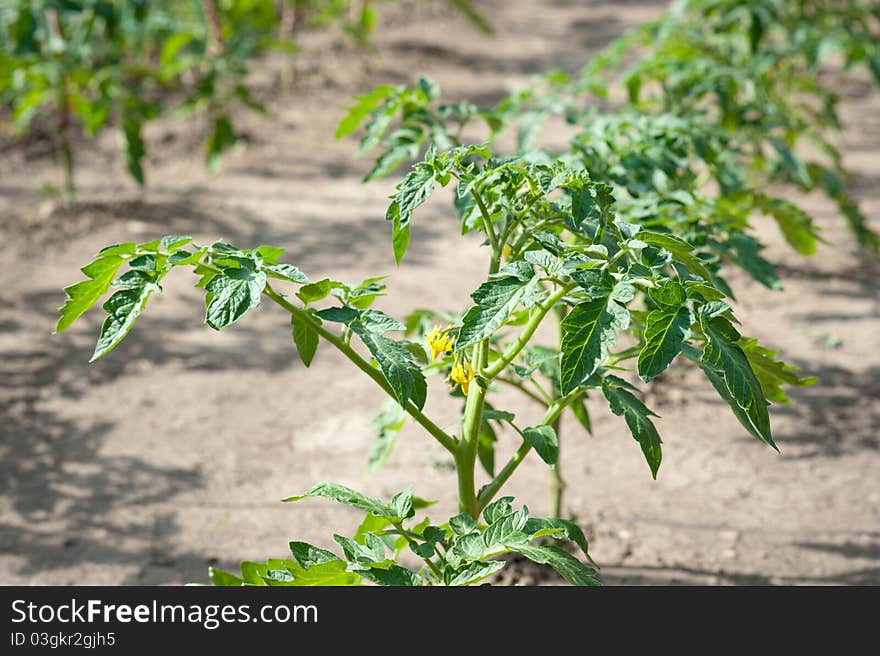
172	453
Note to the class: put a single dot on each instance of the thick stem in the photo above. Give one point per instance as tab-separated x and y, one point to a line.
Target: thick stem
470	434
447	441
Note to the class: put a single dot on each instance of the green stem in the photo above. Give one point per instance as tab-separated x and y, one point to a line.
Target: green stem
510	354
403	533
522	388
489	492
447	441
490	231
556	482
470	434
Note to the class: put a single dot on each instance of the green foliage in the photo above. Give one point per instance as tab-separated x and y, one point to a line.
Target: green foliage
624	239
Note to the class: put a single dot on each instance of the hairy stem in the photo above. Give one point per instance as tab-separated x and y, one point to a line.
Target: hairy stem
447	441
466	460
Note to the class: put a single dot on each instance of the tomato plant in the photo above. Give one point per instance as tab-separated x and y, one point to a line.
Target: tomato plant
625	241
719	100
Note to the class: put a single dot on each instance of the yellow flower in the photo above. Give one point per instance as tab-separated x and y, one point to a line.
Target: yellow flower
505	252
461	376
439	342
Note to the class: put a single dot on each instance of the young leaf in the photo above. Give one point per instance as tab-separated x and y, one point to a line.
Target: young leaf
348	497
123	308
389	423
624	404
729	363
397	364
539	526
544	441
589	333
363	105
566	565
665	332
495	301
233	293
472	572
305	338
82	295
679	248
308	555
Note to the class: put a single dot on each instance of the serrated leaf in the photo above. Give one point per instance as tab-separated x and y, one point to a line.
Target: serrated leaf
665	332
220	578
497	509
566	565
624	403
308	555
123	308
471	573
304	337
539	526
468	547
388	424
349	497
462	524
727	360
679	248
286	272
397	365
362	106
81	296
772	373
796	225
495	301
579	410
544	441
232	294
395	575
589	333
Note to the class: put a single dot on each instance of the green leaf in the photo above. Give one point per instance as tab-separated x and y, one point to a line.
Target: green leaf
395	575
363	105
221	139
220	578
348	497
544	441
665	332
415	189
338	314
101	271
232	294
462	524
317	290
308	555
396	362
370	552
772	373
330	573
495	301
497	509
402	504
486	439
506	531
624	404
132	124
286	272
471	573
589	333
539	526
123	308
796	225
469	12
389	423
566	565
678	248
722	356
598	283
579	410
305	337
468	547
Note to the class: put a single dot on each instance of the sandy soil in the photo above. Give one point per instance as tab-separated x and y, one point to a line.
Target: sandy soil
173	452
